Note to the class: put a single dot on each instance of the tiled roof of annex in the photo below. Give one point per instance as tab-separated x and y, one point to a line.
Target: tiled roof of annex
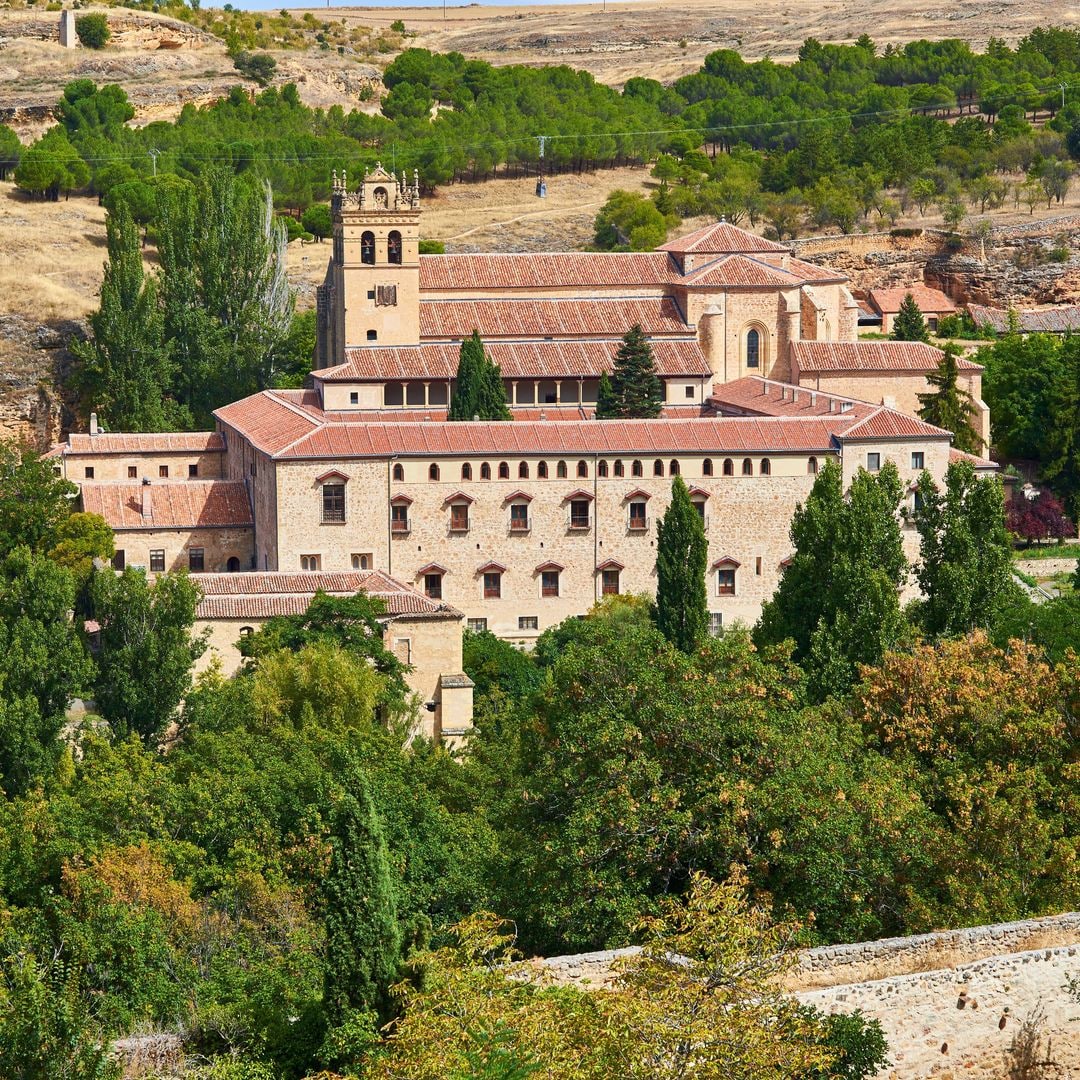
856	356
740	271
758	396
261	595
980	463
1053	320
108	442
720	238
888	301
186	504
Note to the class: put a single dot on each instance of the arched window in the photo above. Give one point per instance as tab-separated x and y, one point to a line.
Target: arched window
747	467
618	468
541	471
658	468
504	471
373	335
811	466
729	467
636	469
582	469
433	471
753	348
466	471
601	468
246	631
399	471
393	247
673	468
485	471
766	468
233	565
706	467
367	248
560	470
523	471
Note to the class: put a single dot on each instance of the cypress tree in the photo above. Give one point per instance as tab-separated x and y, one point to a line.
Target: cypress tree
636	390
909	324
681	606
606	405
363	937
478	390
948	405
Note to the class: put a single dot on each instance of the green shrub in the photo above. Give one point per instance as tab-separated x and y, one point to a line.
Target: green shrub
905	233
398	26
432	247
1059	254
93	30
259	67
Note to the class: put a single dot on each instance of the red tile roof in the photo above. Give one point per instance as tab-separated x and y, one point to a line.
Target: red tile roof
809	271
979	462
869	356
173	442
569	318
888	301
885	423
739	271
1055	320
263	595
570	269
186	504
517	360
723	237
756	396
271	425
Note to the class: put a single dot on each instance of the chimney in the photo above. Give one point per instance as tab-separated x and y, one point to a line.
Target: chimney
147	504
93	424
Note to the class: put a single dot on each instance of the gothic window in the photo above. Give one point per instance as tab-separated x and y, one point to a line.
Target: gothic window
393	247
673	468
367	248
753	348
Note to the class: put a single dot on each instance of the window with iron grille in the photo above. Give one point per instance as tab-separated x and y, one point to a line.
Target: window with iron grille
477	626
549	583
638	520
399	518
333	502
528	622
519	517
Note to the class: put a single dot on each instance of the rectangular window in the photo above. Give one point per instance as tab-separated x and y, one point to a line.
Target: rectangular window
157	561
118	559
459	517
492	586
195	560
133	472
757	566
873	462
690	392
609	583
549	583
89	472
725	582
528	622
579	514
477	626
716	623
399	518
354	397
192	471
333	502
519	517
917	459
638	520
433	586
163	472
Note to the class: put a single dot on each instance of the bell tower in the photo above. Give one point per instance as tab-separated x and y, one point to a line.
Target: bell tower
371	295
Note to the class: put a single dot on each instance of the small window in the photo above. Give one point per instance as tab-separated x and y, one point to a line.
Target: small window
916	500
609	583
549	583
541	471
519	517
582	470
747	467
476	626
523	470
247	631
118	562
157	561
873	462
196	560
528	622
601	469
311	562
492	585
725	581
466	471
373	335
360	562
56	470
504	471
673	468
766	467
163	472
399	471
133	472
636	469
393	247
753	349
192	471
716	623
757	566
89	472
459	517
560	470
433	471
706	467
433	586
233	565
579	514
618	469
729	467
399	518
354	397
918	460
811	466
367	248
638	520
333	502
485	471
699	506
658	468
690	392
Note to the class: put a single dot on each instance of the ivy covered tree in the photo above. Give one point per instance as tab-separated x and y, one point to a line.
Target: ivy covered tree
478	389
909	324
636	391
681	604
948	405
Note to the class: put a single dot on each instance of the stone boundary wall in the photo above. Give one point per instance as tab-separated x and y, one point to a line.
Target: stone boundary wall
929	240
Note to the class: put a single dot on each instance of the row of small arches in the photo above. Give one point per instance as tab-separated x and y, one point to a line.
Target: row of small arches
393	247
617	469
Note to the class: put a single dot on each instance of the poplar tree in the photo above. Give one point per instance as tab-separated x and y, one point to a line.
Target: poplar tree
636	389
363	937
478	388
909	324
681	606
948	405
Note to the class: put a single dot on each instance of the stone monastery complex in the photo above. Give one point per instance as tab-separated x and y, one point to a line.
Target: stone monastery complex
360	483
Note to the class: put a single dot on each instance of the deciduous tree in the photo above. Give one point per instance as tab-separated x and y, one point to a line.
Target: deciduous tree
34	501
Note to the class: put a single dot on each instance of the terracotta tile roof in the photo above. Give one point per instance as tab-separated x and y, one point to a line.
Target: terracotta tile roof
978	462
115	442
185	504
811	272
739	271
269	421
517	360
885	423
876	356
756	396
888	301
569	318
536	271
723	237
1055	320
263	595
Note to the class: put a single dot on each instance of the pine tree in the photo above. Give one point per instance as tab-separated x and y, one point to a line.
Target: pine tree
909	324
681	606
478	389
948	406
636	389
363	937
606	405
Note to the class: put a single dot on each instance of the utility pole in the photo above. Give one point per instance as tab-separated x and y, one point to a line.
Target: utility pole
1063	87
153	155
